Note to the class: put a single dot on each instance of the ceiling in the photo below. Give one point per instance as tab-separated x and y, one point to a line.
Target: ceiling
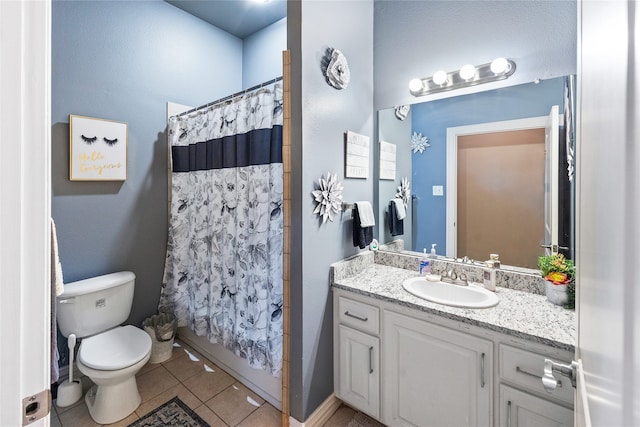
238	17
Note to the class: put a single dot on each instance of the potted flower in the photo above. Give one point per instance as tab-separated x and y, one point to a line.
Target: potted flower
558	273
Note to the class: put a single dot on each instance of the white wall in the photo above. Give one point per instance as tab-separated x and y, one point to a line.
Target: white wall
416	38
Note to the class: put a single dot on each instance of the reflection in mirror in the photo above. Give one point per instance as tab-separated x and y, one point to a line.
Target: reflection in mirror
496	203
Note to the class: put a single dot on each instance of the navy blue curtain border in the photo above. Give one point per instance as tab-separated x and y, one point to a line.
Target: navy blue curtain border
256	147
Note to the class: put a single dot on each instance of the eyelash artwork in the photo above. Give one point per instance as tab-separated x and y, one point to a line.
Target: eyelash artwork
89	140
110	142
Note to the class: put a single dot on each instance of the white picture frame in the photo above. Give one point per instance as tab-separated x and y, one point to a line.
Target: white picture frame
97	149
387	160
357	156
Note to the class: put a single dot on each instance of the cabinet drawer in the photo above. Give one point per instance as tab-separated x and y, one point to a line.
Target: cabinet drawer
525	369
363	317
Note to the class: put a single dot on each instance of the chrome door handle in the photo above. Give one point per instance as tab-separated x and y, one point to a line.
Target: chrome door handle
482	371
539	377
549	381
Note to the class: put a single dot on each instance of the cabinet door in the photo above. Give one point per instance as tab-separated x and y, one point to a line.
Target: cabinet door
358	370
519	409
434	376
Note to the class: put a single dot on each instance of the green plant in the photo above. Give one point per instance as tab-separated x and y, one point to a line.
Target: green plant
556	268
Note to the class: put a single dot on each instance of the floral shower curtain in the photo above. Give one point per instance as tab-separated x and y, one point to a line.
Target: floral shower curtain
223	272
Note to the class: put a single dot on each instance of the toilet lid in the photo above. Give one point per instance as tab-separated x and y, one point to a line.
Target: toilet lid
115	349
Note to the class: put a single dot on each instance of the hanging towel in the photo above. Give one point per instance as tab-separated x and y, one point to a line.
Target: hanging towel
362	236
57	287
399	207
396	225
365	211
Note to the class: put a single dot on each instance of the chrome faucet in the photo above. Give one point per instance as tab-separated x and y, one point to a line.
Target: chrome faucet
450	276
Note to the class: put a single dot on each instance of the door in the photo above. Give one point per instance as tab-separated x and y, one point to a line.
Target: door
25	277
608	214
434	376
359	376
552	152
519	409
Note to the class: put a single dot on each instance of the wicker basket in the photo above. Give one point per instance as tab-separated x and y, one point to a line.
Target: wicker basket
162	330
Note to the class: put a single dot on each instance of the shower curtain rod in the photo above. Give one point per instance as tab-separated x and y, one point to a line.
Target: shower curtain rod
226	98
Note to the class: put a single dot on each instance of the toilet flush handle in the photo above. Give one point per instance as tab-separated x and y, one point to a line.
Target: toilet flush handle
68	300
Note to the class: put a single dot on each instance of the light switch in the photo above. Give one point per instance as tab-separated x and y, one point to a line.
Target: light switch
438	190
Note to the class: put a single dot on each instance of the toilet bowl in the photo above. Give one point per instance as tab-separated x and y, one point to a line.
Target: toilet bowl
109	354
111	360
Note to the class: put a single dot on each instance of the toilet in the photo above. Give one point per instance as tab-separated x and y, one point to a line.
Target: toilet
109	354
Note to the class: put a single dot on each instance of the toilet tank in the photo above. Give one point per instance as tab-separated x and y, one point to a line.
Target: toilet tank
94	305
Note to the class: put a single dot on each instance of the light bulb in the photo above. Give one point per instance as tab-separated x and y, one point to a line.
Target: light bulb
415	85
499	66
439	77
467	72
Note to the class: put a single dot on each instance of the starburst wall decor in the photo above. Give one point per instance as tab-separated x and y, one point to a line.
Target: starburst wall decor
404	191
328	197
419	142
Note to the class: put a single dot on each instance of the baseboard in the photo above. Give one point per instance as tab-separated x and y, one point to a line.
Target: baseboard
321	415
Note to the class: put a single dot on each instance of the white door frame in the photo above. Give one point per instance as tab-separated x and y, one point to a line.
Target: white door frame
25	205
453	134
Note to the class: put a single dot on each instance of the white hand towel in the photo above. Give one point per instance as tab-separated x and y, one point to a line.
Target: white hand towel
400	211
365	212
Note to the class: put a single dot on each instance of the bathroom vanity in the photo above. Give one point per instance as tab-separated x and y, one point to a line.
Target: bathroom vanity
407	361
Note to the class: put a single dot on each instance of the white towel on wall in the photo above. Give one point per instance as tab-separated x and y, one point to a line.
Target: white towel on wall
401	213
365	211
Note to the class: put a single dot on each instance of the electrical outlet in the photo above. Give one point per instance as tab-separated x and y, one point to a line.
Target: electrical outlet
438	190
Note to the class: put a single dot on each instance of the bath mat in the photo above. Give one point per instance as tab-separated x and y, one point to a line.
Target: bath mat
172	413
361	420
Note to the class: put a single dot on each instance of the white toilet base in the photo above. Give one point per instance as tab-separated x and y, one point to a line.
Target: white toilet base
115	395
108	404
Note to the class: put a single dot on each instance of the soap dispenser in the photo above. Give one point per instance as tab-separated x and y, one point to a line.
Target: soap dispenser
433	251
425	265
489	276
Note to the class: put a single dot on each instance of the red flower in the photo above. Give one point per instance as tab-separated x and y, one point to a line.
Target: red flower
557	278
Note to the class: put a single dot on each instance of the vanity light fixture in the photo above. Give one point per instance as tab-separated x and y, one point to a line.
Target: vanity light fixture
468	75
467	72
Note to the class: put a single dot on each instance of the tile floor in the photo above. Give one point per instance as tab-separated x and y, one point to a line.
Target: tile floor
215	396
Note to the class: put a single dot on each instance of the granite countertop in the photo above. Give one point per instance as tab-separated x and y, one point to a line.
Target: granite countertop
521	314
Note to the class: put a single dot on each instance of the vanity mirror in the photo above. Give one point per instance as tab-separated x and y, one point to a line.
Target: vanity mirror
486	185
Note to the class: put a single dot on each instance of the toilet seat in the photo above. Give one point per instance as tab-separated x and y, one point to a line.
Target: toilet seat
115	349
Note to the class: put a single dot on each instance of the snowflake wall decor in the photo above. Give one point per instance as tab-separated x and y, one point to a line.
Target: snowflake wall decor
419	142
404	191
328	197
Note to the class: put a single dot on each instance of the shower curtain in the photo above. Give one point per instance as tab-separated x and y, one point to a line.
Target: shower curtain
223	271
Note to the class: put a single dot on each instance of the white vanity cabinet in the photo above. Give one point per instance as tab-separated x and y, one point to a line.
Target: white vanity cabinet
408	367
519	409
523	400
357	355
434	376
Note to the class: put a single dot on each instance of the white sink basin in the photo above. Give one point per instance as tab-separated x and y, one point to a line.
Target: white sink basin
472	296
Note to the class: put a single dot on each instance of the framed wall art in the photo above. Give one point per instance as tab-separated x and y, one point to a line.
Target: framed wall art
97	149
357	158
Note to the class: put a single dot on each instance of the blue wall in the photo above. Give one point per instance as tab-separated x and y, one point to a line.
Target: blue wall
432	120
123	61
320	117
262	54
